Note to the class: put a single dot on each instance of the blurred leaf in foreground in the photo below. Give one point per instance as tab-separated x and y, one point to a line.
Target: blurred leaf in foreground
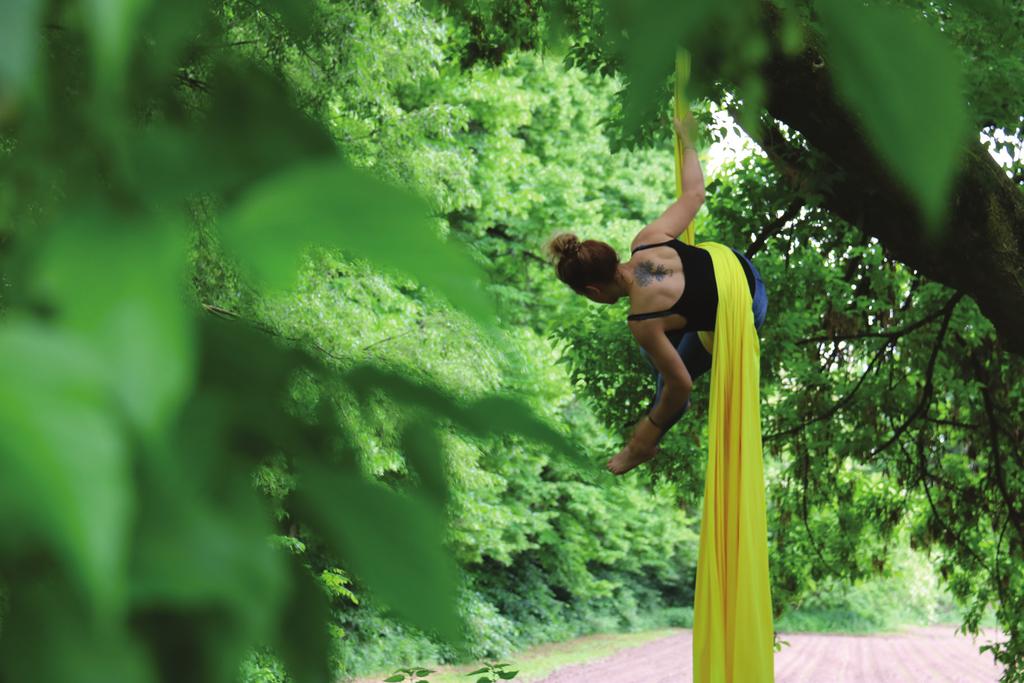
905	82
392	541
124	295
488	416
331	204
65	489
19	48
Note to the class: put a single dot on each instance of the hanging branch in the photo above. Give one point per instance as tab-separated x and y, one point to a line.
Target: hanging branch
879	353
890	338
925	475
804	486
928	389
995	563
892	335
997	456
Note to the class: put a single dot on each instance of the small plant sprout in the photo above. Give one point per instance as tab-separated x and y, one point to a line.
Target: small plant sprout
494	672
415	675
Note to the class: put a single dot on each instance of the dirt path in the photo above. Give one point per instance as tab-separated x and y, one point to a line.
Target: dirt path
934	653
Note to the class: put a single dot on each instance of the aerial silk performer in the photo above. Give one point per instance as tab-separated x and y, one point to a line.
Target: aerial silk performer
720	304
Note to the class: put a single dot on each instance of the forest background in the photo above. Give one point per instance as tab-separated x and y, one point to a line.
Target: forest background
275	270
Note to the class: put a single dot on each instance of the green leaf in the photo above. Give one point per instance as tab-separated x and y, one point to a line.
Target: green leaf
507	675
121	291
248	104
58	641
490	416
394	543
111	25
904	82
424	453
64	474
19	45
199	559
394	679
333	205
296	15
479	671
992	9
302	638
654	30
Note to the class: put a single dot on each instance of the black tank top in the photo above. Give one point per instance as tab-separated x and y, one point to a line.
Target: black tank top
699	301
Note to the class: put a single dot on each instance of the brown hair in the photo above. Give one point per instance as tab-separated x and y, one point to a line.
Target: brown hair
582	263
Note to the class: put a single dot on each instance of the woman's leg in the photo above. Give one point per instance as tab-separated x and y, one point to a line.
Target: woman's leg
760	302
697	361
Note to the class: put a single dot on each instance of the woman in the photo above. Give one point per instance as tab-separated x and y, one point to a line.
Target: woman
672	294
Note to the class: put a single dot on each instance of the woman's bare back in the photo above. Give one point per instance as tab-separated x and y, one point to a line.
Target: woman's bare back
660	281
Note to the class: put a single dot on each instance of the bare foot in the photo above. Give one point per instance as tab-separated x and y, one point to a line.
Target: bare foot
628	458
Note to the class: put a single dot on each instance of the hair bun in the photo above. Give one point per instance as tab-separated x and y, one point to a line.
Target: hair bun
579	264
563	244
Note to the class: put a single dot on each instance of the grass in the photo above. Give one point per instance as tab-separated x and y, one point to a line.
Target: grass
537	662
871	619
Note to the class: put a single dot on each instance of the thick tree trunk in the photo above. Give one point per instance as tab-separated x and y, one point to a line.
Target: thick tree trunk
980	251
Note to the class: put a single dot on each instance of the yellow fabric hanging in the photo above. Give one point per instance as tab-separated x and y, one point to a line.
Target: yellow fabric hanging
733	633
682	75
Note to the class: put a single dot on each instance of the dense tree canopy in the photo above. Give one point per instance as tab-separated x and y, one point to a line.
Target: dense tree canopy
895	240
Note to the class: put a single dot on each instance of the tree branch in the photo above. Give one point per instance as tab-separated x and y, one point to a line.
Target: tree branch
996	457
775	227
892	335
262	327
980	248
835	406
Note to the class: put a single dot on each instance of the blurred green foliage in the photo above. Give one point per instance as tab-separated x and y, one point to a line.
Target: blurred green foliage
134	545
904	81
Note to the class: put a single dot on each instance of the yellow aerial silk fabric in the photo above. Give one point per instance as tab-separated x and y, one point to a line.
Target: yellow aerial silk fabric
733	633
682	75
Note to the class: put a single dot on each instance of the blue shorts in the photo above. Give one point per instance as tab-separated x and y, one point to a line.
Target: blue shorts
696	359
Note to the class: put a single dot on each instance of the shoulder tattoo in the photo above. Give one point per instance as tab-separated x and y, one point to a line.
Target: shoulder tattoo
647	272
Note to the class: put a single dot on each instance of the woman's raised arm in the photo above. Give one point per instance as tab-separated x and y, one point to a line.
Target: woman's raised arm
678	215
